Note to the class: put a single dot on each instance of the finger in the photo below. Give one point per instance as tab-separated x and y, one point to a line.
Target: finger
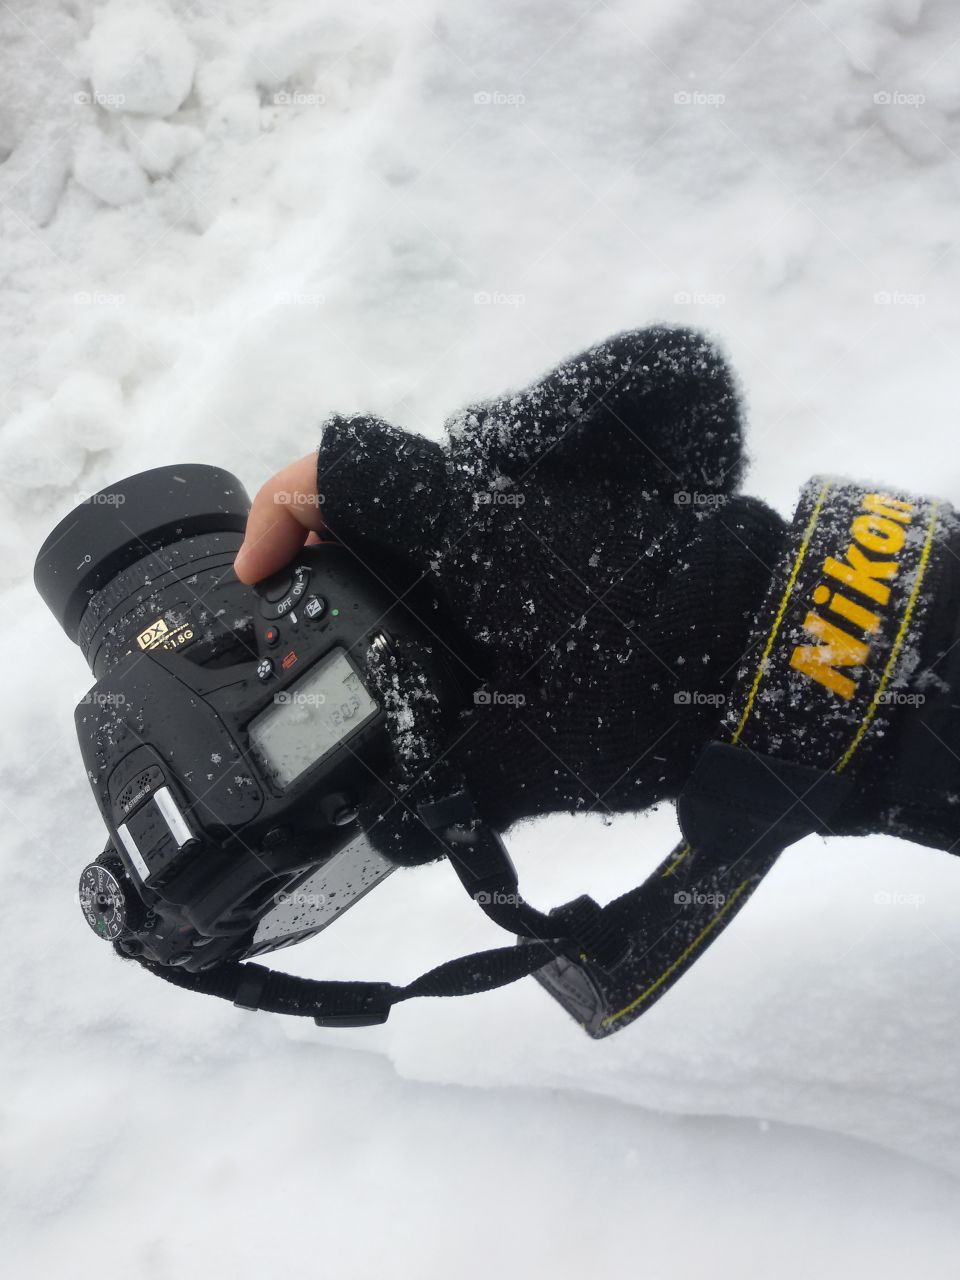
282	514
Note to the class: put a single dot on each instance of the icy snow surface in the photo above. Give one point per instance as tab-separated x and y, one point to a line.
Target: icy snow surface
223	221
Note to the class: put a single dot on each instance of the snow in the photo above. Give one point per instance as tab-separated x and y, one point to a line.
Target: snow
108	171
293	211
158	147
138	59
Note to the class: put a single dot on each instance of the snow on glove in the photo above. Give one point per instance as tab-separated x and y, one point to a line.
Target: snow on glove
587	537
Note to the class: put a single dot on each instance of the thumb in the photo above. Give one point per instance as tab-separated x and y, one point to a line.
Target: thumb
285	510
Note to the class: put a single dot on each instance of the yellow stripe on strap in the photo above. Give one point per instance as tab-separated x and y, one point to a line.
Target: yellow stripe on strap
677	860
748	710
751	699
708	928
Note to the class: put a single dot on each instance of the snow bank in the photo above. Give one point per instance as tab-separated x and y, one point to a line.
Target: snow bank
299	208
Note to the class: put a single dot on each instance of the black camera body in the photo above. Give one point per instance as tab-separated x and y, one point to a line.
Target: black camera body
232	735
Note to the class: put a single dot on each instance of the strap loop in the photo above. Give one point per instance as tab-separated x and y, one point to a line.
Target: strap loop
250	987
452	810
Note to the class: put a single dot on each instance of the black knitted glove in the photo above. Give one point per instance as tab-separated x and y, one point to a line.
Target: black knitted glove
586	537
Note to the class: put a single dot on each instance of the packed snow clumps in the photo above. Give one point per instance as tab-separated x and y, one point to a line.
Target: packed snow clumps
107	170
139	60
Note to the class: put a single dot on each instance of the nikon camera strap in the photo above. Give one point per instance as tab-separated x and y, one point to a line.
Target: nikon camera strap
830	656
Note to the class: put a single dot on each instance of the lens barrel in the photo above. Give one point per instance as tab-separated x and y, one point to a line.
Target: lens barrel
124	522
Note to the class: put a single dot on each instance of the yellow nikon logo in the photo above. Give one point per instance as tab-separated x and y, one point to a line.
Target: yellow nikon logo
878	529
155	634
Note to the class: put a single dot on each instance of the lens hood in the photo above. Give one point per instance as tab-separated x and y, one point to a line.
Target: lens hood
120	524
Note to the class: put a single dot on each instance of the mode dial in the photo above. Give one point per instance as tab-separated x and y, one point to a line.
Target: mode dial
109	905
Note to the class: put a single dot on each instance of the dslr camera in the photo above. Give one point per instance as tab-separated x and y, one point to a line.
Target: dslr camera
236	735
232	736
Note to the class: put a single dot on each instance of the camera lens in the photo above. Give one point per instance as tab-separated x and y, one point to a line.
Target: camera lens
139	560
